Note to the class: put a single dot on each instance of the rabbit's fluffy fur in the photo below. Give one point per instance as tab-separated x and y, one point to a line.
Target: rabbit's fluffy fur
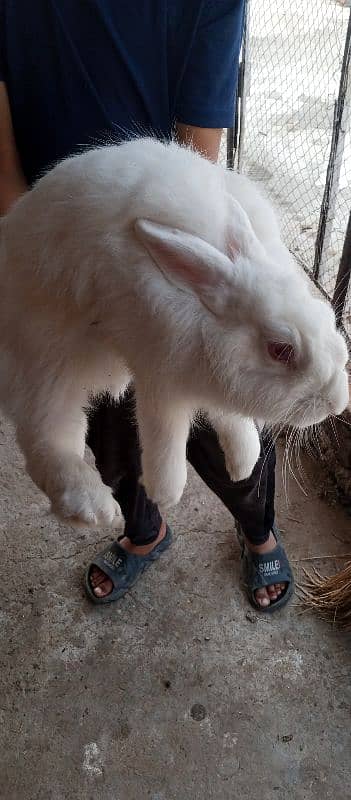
145	261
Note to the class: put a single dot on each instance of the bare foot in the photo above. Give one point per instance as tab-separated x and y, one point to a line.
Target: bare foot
268	594
101	584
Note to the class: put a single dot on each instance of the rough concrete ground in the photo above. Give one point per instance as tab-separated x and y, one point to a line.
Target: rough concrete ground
177	692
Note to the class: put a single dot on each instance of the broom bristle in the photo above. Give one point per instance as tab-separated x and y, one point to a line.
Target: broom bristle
329	596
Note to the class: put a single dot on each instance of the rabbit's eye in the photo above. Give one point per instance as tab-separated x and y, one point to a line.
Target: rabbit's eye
281	351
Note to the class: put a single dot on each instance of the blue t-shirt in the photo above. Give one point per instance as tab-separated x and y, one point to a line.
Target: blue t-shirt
79	72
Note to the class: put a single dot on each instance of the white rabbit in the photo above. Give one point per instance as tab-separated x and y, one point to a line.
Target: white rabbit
146	261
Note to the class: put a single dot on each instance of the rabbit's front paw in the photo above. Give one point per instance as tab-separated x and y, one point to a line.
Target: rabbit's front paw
241	460
86	500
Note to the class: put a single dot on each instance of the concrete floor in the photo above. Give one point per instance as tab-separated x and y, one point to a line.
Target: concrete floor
179	692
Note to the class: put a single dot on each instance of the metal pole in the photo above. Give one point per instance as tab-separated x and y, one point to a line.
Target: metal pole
344	276
341	114
244	81
234	132
231	144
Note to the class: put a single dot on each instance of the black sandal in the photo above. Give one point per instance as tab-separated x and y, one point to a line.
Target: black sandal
264	569
122	568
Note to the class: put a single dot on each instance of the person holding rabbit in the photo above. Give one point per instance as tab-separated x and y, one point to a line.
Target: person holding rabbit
74	75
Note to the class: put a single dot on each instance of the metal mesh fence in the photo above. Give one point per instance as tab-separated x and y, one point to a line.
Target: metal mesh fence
295	125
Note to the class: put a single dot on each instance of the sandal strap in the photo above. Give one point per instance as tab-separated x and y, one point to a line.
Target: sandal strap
116	563
264	569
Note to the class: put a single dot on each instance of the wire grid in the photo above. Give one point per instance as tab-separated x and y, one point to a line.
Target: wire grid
295	52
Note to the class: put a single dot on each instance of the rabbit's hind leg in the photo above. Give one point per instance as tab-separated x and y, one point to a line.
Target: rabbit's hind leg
164	427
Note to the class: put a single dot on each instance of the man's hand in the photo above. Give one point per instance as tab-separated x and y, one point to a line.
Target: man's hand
12	180
205	140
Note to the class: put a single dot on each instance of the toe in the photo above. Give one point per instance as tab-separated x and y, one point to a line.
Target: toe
96	576
272	592
104	588
262	598
100	583
280	587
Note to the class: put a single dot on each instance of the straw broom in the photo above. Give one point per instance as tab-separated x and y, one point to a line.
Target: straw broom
330	596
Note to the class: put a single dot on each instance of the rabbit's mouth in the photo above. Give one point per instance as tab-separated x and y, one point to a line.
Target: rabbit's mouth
332	401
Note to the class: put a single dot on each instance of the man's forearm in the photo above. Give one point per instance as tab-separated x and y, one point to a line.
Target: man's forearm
11	188
12	180
205	140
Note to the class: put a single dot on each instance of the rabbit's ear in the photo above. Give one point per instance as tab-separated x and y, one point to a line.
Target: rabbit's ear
189	262
241	238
